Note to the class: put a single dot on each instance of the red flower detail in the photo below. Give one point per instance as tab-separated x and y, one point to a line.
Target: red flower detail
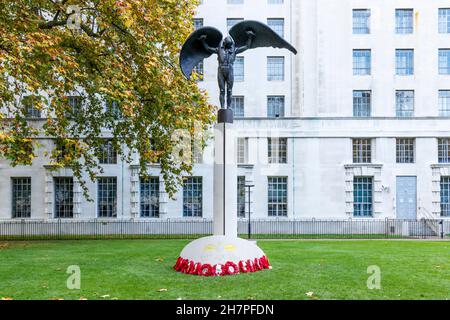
265	263
257	264
230	268
206	270
249	266
177	265
242	267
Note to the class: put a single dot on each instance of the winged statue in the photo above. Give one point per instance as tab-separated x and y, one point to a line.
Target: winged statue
245	35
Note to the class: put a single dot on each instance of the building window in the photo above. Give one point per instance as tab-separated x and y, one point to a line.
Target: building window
275	106
198	23
445	196
444	150
362	103
362	150
277	25
404	21
21	197
362	62
192	197
241	196
63	197
444	20
75	103
363	196
235	1
238	69
277	196
29	108
277	150
108	153
405	150
275	68
149	196
444	61
107	197
404	100
196	150
444	103
232	21
241	150
361	21
113	109
275	1
237	105
404	60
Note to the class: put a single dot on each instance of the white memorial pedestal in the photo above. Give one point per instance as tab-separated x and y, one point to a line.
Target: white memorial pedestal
223	253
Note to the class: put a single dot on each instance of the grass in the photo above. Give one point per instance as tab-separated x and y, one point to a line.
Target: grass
138	269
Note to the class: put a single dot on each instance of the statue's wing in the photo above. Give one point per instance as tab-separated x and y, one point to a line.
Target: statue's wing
264	36
193	51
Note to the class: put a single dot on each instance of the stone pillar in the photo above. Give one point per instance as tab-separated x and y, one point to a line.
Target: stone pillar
225	176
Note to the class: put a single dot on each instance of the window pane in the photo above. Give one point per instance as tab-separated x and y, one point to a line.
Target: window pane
405	150
362	62
21	197
444	103
107	197
29	109
63	197
445	196
444	150
237	105
275	68
239	69
444	20
362	103
361	21
149	196
241	147
405	103
277	150
362	150
362	196
404	21
404	62
277	196
275	106
198	23
444	61
108	153
277	25
232	21
192	197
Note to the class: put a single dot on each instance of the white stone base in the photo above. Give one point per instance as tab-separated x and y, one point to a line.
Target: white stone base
221	255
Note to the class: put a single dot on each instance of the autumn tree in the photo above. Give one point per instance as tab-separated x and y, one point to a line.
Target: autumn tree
120	58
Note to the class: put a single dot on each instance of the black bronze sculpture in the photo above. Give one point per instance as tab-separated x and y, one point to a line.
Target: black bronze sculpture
245	35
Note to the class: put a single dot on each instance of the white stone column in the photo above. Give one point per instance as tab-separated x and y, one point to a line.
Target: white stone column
225	180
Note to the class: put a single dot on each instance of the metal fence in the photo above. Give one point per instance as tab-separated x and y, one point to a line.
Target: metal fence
191	229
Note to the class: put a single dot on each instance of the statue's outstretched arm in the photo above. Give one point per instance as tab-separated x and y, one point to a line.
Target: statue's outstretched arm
206	46
250	35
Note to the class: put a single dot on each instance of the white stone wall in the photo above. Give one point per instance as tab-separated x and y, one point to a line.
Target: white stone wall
318	90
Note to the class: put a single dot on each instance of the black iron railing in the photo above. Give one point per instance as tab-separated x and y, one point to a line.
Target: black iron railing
191	229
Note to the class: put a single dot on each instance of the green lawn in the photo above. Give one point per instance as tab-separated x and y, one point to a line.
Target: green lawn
138	269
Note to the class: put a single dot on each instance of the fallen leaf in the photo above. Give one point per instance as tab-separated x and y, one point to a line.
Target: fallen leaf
159	259
7	298
105	296
309	294
179	298
82	298
162	290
